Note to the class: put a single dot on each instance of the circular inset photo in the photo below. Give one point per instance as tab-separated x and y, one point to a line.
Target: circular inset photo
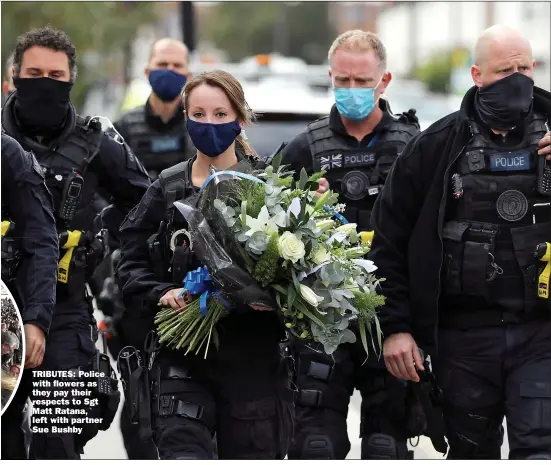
13	346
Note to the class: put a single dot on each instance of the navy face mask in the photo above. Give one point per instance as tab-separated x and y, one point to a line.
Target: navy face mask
166	84
212	139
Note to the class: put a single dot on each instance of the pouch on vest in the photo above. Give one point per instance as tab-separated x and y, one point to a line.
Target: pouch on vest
525	240
468	257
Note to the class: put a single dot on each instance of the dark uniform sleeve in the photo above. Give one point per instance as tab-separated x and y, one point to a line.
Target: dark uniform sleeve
297	155
29	206
134	272
393	218
122	175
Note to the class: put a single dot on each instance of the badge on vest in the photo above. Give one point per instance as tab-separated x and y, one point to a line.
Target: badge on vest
360	159
165	144
513	161
330	162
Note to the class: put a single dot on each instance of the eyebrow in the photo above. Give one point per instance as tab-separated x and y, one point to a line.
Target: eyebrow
51	71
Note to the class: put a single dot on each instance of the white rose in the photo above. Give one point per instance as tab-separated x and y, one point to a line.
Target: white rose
310	296
291	247
347	228
320	255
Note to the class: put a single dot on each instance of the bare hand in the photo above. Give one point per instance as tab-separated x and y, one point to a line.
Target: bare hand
323	186
545	146
402	356
35	345
171	299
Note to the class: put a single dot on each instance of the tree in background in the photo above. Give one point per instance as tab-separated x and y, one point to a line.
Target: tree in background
99	30
297	29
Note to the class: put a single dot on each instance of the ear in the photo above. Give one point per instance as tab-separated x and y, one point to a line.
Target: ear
387	77
146	72
330	72
12	71
476	74
242	124
5	87
533	64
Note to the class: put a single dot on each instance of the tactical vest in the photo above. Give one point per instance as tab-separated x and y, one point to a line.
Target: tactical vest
357	173
156	150
495	228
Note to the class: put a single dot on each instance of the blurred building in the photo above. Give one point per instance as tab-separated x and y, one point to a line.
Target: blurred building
414	31
355	15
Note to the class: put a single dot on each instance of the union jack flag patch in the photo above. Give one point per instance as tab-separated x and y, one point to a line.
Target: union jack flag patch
332	161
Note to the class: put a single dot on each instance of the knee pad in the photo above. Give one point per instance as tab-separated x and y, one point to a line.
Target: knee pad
384	447
316	447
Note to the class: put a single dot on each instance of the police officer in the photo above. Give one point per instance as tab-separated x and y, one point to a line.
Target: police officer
78	159
242	391
29	267
357	144
156	132
456	230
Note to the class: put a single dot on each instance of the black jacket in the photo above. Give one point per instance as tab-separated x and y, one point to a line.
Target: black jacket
407	219
27	202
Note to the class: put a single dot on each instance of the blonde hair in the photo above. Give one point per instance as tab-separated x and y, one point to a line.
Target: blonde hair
359	41
233	90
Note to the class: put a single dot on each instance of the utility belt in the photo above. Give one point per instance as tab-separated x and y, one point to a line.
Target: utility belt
493	264
11	255
80	253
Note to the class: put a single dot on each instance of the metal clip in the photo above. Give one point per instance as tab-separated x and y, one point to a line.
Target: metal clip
495	269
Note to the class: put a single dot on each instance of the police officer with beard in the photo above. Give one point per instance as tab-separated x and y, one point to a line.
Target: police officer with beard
77	159
357	144
457	226
156	132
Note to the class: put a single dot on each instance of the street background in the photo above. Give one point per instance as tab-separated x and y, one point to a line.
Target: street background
279	52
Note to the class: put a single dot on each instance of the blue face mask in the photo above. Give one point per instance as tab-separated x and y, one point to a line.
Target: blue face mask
355	103
212	139
166	83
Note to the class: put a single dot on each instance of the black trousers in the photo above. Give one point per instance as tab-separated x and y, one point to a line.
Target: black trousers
70	344
325	384
242	393
490	373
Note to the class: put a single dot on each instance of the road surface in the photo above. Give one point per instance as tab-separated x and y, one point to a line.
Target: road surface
109	445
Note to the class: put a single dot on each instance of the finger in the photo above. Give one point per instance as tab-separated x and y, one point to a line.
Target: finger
181	302
173	304
418	360
545	140
410	367
40	359
391	367
402	368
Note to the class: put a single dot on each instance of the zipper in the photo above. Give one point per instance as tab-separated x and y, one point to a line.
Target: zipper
440	223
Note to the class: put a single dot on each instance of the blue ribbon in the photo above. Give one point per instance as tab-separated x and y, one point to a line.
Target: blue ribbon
200	282
234	173
341	218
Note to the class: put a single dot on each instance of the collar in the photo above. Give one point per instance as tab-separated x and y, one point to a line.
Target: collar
13	127
156	122
336	124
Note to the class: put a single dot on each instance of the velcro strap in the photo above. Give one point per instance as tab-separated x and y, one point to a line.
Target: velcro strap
326	399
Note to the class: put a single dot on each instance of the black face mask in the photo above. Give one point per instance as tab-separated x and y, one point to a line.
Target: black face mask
505	103
41	104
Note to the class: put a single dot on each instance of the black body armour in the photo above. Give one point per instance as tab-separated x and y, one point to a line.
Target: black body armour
155	149
357	173
494	223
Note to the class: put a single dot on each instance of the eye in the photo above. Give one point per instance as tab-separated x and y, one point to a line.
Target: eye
197	114
221	114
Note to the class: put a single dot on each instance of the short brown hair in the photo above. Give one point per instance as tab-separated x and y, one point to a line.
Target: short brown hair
232	88
359	41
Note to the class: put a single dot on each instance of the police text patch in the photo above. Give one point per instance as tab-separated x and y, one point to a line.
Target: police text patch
359	159
165	144
515	161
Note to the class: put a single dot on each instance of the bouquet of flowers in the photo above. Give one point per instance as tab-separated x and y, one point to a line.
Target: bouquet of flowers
272	243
